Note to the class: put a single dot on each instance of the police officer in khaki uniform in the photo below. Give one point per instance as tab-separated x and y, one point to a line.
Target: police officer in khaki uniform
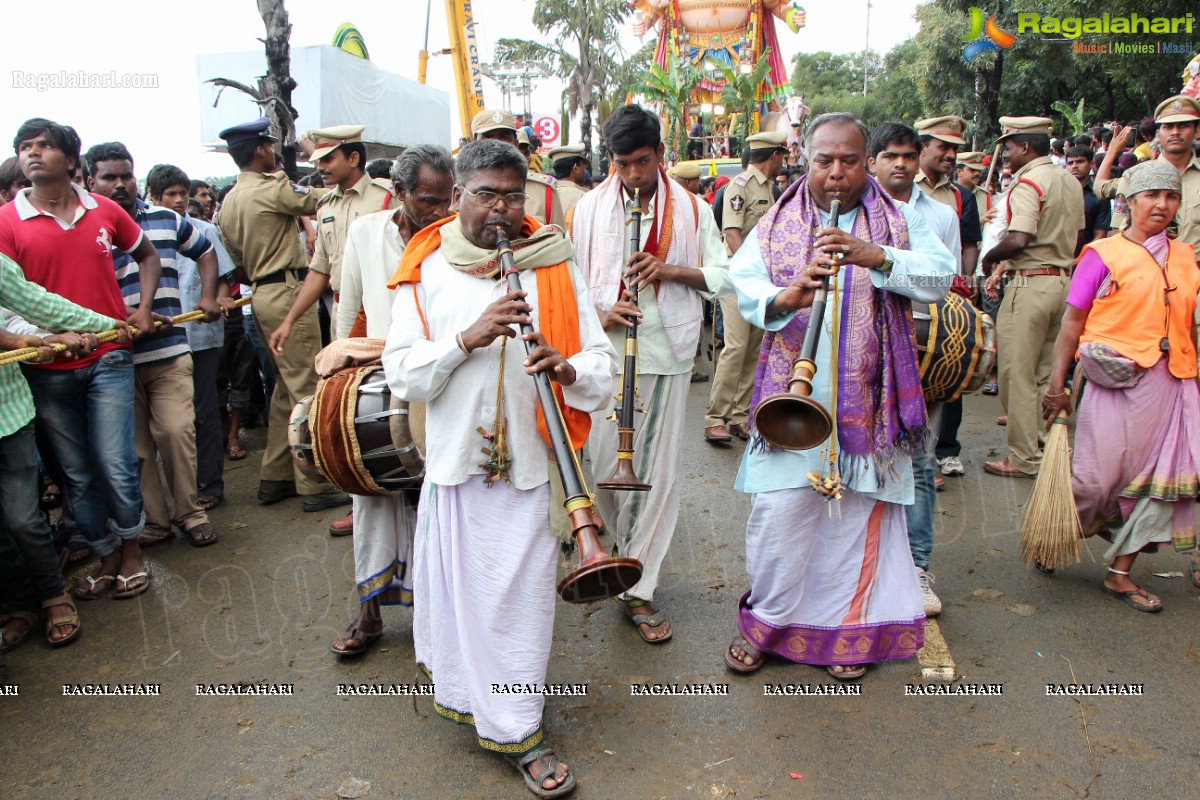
258	226
1177	119
539	188
1045	220
570	167
940	139
341	157
687	176
747	198
971	170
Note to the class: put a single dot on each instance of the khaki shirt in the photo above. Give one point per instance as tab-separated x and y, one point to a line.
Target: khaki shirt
943	191
258	223
335	212
569	193
1053	219
1186	225
983	200
747	198
535	205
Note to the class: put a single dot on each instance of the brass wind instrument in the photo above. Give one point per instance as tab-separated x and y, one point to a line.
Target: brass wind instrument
598	576
792	419
623	477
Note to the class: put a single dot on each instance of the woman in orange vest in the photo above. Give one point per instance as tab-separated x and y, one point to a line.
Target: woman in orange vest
1129	320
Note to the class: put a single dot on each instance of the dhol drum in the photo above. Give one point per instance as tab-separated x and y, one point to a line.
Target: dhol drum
956	345
356	434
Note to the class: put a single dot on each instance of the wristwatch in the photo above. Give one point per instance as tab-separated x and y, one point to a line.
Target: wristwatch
888	263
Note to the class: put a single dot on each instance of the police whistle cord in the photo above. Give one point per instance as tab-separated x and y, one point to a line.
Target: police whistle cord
30	353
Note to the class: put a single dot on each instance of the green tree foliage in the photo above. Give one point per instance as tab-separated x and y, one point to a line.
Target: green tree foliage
927	75
671	89
584	50
741	90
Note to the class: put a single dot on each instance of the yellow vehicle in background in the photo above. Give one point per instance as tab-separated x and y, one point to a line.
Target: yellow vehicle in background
715	167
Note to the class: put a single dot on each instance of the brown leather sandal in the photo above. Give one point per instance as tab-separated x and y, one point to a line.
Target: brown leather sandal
68	620
10	639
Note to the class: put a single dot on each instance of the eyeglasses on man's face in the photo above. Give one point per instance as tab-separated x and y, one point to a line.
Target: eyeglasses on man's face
489	199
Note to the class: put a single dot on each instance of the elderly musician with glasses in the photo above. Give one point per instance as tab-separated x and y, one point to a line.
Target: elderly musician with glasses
1129	321
485	558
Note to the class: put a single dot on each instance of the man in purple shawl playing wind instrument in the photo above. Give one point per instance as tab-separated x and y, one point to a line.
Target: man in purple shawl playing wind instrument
832	579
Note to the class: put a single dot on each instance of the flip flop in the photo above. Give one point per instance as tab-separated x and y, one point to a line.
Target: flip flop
234	452
991	389
1126	597
128	591
741	666
356	634
91	592
653	620
549	761
850	672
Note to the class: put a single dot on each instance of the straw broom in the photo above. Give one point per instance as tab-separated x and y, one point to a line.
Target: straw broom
1051	531
30	353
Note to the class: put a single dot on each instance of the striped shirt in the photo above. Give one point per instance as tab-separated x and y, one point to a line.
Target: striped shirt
44	309
171	235
203	335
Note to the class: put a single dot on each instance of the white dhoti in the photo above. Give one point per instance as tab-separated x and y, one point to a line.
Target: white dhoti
383	545
643	523
483	581
831	582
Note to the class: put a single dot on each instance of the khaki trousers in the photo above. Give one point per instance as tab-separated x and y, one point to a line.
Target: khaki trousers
165	418
733	378
295	378
1026	329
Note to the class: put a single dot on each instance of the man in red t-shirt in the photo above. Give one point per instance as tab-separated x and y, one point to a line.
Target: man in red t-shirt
63	237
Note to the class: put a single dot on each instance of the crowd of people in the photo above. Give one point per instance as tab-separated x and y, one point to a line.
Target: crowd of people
1082	250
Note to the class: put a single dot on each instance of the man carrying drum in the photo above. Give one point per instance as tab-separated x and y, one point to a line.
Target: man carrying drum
423	178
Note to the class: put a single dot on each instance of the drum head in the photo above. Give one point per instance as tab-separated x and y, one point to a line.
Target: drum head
300	439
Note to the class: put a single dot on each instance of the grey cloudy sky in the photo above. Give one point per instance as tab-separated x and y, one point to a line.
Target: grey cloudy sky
162	39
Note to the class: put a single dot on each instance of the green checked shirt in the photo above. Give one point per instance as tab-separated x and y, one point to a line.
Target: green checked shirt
44	309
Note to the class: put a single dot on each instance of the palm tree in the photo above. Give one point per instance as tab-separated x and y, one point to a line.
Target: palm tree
671	89
742	93
592	27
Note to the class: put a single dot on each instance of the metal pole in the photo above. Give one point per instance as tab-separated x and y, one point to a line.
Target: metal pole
866	48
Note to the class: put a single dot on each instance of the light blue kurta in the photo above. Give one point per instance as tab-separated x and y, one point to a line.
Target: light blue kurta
922	273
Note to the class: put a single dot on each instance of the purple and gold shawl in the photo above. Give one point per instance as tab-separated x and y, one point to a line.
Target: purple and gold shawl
880	406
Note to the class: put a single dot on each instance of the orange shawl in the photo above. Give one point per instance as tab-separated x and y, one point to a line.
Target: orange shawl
559	313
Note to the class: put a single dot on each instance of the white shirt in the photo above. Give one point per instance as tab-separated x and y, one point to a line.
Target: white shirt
460	390
941	219
371	255
922	273
655	356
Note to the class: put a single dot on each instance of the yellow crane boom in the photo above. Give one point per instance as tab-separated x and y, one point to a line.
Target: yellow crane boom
460	20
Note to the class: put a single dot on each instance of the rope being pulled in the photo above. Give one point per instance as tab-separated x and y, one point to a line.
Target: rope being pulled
30	353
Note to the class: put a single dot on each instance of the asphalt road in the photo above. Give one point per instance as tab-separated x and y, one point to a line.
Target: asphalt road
264	603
